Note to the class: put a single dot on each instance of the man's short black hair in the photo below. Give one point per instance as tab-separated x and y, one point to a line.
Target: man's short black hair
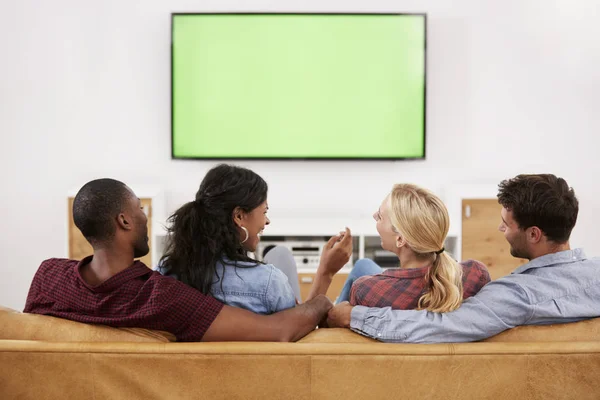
544	200
95	207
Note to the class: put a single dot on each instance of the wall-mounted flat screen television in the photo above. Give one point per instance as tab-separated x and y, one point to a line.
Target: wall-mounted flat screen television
298	86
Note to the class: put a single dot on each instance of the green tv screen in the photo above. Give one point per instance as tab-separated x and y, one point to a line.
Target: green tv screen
298	86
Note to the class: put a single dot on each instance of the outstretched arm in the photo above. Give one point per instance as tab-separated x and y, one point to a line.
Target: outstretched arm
500	305
236	324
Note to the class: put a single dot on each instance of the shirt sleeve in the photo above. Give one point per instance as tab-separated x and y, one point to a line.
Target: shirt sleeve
280	295
500	305
34	289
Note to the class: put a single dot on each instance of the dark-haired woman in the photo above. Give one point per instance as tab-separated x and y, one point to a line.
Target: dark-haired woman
211	236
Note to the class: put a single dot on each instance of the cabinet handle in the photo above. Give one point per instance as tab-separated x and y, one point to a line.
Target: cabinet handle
306	279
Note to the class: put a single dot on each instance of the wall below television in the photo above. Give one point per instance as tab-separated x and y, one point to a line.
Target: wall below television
513	87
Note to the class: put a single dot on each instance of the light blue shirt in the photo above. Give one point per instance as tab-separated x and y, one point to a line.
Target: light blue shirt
262	288
555	288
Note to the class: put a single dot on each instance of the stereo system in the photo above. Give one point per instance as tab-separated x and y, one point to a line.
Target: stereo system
307	253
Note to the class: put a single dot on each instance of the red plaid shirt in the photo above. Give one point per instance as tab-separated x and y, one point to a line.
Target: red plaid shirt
401	288
135	297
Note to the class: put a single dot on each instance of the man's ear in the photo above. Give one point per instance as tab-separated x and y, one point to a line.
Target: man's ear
534	234
238	216
123	222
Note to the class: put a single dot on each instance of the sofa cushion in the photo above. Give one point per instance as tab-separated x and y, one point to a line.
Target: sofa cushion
23	326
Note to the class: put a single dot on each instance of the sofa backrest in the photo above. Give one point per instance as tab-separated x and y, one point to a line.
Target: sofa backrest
15	325
582	331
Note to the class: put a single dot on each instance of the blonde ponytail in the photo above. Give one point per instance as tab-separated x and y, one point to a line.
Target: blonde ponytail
444	280
421	218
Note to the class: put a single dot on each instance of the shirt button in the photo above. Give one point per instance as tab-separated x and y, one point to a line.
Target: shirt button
379	334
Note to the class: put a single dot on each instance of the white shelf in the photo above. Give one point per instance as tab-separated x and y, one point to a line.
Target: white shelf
344	270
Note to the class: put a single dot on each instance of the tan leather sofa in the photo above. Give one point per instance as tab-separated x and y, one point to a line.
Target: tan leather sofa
49	358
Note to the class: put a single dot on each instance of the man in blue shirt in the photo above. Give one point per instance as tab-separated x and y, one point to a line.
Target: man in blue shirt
557	285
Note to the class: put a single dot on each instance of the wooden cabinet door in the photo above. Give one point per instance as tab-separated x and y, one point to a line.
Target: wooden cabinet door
337	283
481	239
79	246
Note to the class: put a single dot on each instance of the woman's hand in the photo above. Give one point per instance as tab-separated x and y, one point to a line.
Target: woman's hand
336	253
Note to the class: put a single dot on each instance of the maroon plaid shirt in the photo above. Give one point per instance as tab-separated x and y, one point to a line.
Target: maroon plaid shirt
402	288
135	297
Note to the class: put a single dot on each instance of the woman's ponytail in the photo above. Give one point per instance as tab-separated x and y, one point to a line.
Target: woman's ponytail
444	280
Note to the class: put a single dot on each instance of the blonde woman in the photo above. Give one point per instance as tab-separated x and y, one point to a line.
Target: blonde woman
413	223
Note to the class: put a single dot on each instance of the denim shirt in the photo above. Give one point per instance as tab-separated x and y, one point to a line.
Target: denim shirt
262	288
554	288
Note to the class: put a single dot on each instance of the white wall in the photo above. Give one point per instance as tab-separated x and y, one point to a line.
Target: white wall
85	87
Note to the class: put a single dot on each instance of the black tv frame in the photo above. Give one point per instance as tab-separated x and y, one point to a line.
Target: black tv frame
424	15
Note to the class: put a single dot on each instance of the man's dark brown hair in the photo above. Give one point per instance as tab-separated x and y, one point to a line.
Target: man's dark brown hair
544	200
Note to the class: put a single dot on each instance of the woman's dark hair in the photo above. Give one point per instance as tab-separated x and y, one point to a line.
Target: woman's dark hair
202	231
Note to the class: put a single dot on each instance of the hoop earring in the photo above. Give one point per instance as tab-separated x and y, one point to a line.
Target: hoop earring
247	235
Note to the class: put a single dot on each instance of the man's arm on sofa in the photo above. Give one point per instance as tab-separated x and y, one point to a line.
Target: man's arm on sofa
236	324
499	306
